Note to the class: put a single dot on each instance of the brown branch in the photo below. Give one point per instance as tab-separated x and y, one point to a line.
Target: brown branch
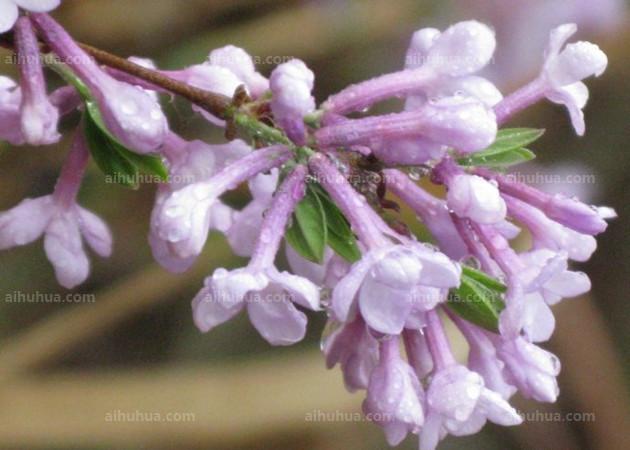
215	104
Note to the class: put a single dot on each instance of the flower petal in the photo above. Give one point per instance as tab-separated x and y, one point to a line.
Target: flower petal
496	409
302	291
64	250
25	222
208	312
8	15
95	232
569	284
37	5
573	97
231	287
275	318
385	309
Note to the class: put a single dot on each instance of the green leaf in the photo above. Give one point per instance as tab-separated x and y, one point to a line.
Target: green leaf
71	78
340	236
507	150
476	303
484	279
499	160
308	232
111	156
114	165
511	138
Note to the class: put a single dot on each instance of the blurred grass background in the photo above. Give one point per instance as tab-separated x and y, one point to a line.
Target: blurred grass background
64	367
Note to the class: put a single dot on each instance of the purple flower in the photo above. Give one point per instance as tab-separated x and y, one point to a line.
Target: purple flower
61	221
549	234
9	10
291	86
38	116
419	54
458	402
531	369
394	395
483	359
397	273
131	114
407	273
470	196
459	51
352	346
547	280
459	122
241	64
564	70
226	69
432	212
561	78
267	294
243	232
191	162
565	210
417	349
186	214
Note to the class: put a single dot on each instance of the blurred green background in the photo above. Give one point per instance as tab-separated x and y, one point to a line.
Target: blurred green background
130	371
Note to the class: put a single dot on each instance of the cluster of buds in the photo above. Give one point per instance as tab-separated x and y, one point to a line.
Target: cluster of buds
327	181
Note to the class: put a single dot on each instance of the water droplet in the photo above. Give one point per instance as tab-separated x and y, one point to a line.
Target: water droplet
156	114
461	414
174	211
129	107
415	174
471	261
199	193
175	234
331	327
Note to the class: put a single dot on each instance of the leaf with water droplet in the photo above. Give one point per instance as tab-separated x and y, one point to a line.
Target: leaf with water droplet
507	149
340	236
111	156
308	232
484	279
476	302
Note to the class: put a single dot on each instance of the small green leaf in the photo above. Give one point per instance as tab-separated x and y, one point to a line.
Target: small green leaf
308	232
511	138
107	157
476	303
111	156
340	236
507	150
484	279
71	78
499	160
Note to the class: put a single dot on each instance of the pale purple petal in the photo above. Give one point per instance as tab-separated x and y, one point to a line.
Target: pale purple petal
37	5
301	290
209	313
8	15
470	196
25	222
497	410
462	49
385	309
573	97
275	317
64	250
95	232
567	284
231	287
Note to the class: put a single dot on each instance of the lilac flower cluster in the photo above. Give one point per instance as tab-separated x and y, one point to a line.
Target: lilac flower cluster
386	293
